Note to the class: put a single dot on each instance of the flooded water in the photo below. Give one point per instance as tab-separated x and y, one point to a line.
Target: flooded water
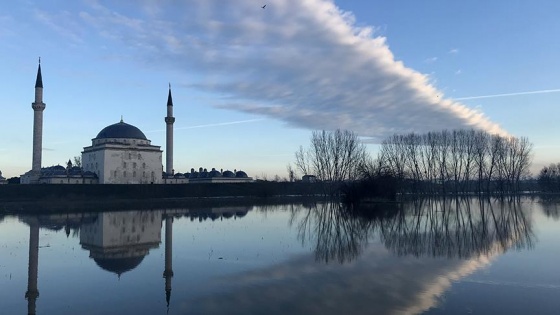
466	256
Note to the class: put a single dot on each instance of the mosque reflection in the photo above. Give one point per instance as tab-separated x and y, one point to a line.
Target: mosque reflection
117	241
453	228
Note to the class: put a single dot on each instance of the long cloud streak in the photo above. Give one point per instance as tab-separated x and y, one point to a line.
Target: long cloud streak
306	63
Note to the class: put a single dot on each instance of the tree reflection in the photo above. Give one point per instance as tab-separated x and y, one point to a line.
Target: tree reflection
452	228
457	228
551	207
336	233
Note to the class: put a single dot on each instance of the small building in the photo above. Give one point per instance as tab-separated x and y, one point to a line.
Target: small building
3	180
309	178
70	175
215	176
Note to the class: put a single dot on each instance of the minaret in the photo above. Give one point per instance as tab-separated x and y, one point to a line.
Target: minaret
38	108
169	120
168	272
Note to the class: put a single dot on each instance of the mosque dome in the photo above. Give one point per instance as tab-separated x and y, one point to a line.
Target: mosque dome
228	174
121	130
241	174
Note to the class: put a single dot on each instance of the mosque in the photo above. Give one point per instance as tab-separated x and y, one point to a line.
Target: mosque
119	154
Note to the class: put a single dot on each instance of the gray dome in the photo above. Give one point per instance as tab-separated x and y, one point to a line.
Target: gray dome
228	174
241	174
121	130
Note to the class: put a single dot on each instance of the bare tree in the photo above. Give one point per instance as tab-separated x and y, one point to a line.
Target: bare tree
291	173
332	156
448	161
78	161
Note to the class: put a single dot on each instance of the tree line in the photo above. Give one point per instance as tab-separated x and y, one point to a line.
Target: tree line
455	161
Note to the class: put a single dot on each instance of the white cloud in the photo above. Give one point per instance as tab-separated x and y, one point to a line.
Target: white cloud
431	60
303	62
454	51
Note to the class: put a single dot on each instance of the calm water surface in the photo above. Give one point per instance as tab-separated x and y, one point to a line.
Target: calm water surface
432	257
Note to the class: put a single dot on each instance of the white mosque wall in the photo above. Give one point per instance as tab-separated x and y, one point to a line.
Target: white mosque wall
124	164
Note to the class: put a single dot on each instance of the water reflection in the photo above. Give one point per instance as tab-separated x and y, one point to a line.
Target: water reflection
335	233
398	258
551	207
452	228
117	241
461	228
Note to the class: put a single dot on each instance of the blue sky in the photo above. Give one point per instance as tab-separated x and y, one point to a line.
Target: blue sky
250	84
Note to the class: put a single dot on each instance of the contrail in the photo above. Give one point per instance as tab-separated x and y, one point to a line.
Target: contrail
221	124
212	125
507	94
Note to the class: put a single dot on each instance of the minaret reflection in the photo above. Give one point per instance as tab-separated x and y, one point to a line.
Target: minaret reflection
32	292
168	272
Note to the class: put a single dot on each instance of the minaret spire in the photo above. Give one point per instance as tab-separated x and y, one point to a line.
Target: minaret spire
169	98
38	108
169	120
39	81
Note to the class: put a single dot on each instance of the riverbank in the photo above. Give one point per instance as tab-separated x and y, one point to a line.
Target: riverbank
200	190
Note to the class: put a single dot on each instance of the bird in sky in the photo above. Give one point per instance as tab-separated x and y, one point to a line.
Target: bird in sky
264	6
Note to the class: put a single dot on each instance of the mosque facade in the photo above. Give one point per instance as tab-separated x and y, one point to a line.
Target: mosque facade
119	154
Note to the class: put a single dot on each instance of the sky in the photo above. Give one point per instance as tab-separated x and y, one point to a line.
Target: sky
250	84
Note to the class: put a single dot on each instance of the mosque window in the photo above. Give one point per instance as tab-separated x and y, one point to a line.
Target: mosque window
144	174
124	164
139	156
134	165
124	174
143	165
115	173
134	174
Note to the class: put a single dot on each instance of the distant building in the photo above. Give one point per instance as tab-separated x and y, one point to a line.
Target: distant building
70	175
2	179
215	176
309	178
